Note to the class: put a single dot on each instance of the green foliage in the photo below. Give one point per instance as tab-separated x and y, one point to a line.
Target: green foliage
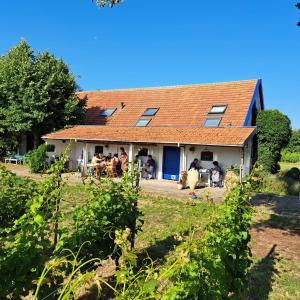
29	243
15	193
209	265
274	131
294	143
37	159
291	157
37	95
75	279
110	206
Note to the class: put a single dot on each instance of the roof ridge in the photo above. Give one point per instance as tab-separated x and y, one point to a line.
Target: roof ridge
170	86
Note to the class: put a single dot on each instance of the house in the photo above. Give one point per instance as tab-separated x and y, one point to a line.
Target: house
174	124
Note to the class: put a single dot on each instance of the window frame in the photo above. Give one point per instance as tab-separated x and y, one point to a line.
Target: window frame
100	146
145	114
207	119
217	113
206	152
50	146
103	115
143	119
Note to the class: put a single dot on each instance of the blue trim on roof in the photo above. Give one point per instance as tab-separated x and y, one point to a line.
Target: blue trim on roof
257	90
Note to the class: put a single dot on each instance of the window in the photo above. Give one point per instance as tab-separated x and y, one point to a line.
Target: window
107	112
142	122
143	152
217	109
212	122
50	148
99	149
150	111
207	156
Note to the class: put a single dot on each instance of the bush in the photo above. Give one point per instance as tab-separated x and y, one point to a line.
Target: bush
15	193
293	173
274	131
291	157
36	159
110	206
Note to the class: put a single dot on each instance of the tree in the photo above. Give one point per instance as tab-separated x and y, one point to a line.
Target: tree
37	95
274	132
294	143
103	3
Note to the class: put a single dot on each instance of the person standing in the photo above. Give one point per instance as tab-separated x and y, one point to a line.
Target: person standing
124	160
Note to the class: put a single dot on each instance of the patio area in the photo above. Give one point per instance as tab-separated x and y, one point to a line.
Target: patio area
163	188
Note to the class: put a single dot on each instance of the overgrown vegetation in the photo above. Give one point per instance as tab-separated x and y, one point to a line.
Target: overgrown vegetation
210	264
15	194
292	151
39	232
274	132
37	159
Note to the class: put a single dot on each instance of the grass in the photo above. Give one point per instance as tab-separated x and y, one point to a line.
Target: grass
273	277
285	166
166	219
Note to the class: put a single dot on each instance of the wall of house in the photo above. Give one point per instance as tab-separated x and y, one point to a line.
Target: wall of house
258	106
226	156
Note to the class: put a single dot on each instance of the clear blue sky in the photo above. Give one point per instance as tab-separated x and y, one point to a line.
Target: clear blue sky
166	42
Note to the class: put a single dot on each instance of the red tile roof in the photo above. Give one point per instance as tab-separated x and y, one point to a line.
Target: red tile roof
229	136
186	105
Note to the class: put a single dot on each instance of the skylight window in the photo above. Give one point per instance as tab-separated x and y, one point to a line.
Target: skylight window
218	109
150	111
212	122
142	122
107	112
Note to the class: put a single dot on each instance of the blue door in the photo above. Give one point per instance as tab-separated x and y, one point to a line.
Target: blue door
171	163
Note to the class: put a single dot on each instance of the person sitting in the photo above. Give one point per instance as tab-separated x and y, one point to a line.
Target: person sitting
150	165
95	159
216	173
195	164
117	162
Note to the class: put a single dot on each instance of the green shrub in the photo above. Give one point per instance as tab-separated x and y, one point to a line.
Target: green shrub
36	159
15	193
291	157
273	131
293	173
110	206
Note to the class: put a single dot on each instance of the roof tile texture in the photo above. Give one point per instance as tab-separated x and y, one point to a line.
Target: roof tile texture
203	136
178	106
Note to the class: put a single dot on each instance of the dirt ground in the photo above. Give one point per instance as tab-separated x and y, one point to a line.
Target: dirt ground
276	223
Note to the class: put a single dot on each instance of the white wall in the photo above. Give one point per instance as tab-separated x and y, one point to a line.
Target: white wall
226	156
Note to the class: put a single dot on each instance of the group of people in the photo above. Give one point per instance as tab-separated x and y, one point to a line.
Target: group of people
215	172
149	169
113	165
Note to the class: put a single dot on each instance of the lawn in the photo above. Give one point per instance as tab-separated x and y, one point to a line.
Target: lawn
285	166
166	219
